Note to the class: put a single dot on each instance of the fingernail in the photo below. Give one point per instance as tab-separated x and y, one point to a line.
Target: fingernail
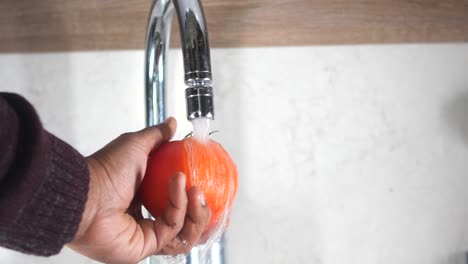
167	120
183	181
202	199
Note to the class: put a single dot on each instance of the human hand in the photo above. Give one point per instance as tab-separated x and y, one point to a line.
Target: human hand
112	229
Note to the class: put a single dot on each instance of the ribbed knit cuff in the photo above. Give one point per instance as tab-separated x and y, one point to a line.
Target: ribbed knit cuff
52	218
47	190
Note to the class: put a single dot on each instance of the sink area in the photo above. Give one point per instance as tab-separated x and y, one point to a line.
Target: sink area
363	160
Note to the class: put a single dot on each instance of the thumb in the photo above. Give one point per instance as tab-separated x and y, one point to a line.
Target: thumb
154	136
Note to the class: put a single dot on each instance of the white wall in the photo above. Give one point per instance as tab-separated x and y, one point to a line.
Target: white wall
346	154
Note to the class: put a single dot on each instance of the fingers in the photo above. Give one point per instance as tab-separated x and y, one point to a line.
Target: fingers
183	223
158	233
155	135
198	215
177	201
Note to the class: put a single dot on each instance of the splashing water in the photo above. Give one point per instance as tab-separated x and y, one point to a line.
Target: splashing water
201	129
201	254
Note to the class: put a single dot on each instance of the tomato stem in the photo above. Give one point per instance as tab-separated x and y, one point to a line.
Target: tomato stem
189	135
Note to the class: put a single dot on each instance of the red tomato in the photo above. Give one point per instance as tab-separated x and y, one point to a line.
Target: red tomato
206	165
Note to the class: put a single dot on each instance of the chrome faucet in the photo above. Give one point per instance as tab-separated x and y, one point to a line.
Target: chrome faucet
197	67
196	54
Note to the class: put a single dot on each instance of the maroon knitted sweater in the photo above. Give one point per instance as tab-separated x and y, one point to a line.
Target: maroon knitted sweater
43	182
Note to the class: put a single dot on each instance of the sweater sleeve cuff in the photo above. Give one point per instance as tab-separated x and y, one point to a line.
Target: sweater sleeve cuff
51	221
50	197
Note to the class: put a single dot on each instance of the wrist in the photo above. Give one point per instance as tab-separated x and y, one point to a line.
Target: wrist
92	201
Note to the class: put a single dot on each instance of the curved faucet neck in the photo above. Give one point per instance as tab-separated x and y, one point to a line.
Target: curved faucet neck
196	54
194	42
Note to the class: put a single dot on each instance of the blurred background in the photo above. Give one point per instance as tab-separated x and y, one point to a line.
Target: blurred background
348	121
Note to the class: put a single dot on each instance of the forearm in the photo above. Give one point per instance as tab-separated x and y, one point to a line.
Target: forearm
43	182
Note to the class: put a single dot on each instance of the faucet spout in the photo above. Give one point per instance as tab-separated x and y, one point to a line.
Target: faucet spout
197	67
196	54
